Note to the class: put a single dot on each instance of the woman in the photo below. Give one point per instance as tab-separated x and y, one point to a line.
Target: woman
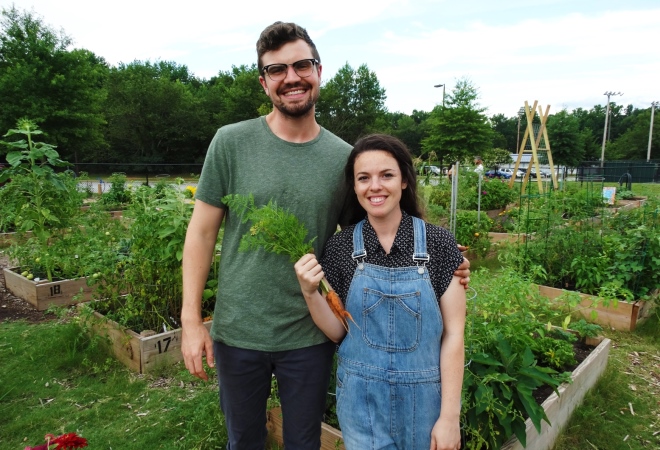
395	274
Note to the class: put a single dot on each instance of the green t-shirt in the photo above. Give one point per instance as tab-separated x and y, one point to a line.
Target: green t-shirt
259	304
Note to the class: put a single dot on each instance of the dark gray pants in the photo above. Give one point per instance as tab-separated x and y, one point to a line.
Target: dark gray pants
302	376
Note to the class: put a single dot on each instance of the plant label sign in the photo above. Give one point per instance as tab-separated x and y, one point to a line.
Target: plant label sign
609	195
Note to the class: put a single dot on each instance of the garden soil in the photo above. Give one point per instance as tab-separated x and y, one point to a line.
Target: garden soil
13	308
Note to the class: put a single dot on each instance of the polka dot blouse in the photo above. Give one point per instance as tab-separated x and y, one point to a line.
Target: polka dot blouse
339	266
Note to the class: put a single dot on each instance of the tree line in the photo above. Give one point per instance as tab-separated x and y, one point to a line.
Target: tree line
159	112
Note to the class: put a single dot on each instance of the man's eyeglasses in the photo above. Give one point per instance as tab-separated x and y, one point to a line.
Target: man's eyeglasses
303	68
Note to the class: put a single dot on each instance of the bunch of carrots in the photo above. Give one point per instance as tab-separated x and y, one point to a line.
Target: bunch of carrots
278	231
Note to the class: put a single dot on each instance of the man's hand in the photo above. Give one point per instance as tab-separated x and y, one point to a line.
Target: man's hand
195	342
463	271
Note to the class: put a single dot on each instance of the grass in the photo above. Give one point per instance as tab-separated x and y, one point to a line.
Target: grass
56	379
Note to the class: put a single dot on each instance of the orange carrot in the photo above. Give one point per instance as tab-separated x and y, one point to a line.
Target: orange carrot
336	305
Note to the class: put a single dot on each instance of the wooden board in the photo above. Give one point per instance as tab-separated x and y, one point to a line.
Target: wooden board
141	354
559	408
506	237
44	294
623	317
331	438
6	239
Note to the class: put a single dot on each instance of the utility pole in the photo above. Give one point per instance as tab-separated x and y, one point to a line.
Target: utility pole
648	153
607	116
521	111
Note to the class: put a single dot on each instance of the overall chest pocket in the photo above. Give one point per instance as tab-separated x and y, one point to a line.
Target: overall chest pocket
391	322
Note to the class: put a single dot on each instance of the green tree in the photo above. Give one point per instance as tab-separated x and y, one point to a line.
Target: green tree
154	115
633	143
411	129
60	89
351	103
495	157
460	130
235	95
566	140
506	131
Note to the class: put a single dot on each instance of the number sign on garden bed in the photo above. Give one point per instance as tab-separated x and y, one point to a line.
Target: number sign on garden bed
141	353
43	294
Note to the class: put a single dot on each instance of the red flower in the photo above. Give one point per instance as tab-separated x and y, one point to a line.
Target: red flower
69	441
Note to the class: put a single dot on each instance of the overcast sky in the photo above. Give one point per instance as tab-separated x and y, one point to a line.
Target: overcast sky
563	53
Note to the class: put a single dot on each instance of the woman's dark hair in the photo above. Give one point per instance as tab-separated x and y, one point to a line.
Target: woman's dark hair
409	201
279	33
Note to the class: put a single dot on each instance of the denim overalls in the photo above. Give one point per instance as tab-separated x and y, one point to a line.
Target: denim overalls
388	375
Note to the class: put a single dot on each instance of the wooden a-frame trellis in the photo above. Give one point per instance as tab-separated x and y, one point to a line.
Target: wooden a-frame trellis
538	141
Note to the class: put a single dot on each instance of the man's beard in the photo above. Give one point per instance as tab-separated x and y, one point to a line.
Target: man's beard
298	110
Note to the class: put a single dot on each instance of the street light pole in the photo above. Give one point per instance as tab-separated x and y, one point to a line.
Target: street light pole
521	111
443	93
648	153
607	115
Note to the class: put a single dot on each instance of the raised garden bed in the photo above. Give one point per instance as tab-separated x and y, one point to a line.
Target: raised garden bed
559	408
623	317
6	239
143	352
507	237
43	294
331	438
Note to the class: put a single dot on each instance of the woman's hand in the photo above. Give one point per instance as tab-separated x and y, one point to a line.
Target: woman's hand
446	435
463	271
309	273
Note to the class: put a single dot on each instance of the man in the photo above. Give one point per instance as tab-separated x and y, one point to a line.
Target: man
261	324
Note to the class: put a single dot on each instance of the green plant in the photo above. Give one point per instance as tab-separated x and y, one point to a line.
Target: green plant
585	329
624	194
617	256
496	194
80	250
37	198
118	196
472	231
141	287
510	353
497	392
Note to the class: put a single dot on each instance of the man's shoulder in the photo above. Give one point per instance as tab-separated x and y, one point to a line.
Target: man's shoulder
243	126
335	140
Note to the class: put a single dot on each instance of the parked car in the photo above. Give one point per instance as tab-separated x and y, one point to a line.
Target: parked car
544	173
507	170
497	174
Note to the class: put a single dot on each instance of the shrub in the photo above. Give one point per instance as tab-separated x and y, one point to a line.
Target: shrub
472	231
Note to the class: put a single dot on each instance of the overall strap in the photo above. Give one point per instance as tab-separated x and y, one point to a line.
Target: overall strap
419	228
358	242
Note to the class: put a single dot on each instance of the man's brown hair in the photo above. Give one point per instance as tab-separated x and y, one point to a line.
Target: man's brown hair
280	33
